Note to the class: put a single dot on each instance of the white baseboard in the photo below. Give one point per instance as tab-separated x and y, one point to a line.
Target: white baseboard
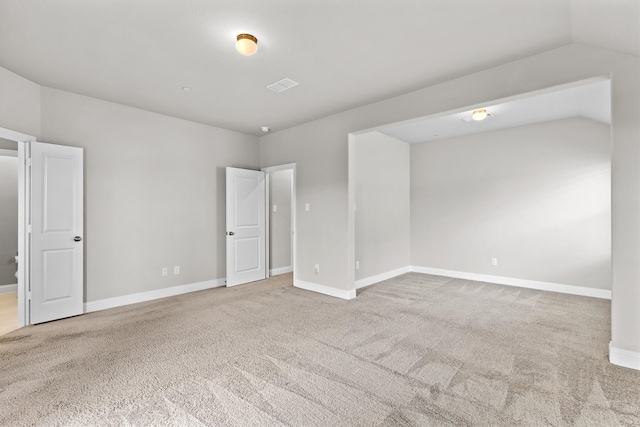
521	283
281	270
8	289
326	290
106	303
367	281
625	358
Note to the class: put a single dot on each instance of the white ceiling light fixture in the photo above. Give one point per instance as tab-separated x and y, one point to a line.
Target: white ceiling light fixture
480	114
265	129
246	44
476	116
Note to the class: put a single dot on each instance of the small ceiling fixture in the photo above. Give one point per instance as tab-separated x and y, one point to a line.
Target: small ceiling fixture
265	129
186	89
247	44
480	114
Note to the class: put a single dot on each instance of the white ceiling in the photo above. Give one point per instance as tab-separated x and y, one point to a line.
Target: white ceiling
591	101
342	53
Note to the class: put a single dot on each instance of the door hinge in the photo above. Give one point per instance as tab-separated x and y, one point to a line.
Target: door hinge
28	161
29	228
29	295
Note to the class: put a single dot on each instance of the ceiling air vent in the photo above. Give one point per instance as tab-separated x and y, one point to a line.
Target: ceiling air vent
282	85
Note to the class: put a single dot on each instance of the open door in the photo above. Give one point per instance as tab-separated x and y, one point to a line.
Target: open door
56	247
246	226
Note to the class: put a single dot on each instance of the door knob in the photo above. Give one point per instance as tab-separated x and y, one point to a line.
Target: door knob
231	233
77	239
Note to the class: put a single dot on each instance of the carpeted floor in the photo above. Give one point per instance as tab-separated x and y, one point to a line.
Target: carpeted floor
414	350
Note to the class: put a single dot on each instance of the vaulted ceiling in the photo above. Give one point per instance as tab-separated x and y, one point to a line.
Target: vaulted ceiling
343	54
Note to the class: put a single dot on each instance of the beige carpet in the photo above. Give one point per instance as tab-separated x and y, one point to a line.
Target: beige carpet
415	350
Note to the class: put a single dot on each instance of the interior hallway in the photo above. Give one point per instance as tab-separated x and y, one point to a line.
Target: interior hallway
8	313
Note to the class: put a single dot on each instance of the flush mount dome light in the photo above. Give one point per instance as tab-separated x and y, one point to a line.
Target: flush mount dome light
479	114
247	44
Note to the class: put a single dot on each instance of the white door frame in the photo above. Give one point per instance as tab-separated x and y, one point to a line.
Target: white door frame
23	141
294	230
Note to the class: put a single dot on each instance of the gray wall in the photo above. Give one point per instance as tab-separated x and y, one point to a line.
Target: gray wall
19	103
536	197
280	221
382	182
154	192
319	150
5	144
8	219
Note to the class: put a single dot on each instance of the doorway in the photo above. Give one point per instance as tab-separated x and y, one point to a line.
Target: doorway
12	140
260	223
281	219
8	236
49	231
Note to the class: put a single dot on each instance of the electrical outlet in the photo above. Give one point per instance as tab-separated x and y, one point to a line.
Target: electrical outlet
357	265
165	271
494	261
176	269
275	208
307	207
317	269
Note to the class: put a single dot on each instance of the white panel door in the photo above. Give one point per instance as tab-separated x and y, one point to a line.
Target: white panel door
56	232
246	227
